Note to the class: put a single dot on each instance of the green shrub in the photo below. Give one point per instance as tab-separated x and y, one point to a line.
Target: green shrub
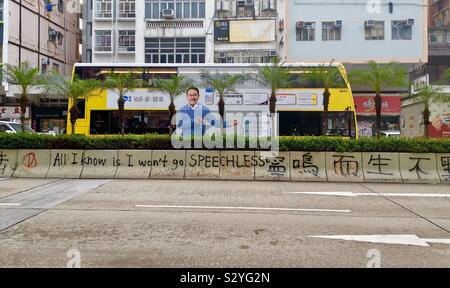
163	142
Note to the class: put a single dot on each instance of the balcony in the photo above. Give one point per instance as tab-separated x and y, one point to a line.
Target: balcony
439	41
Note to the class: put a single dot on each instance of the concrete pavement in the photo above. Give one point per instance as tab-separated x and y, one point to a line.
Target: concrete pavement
164	223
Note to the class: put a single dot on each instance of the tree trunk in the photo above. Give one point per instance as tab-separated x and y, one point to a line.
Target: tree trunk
172	112
326	101
121	105
222	114
378	115
73	117
272	102
426	121
23	109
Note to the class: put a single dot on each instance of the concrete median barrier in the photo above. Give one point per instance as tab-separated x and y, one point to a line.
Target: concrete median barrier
272	166
237	165
308	166
65	164
100	164
134	164
344	167
419	168
381	167
168	164
202	164
8	162
443	167
32	163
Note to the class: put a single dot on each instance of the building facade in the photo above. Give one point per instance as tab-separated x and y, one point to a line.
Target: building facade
45	34
248	31
148	31
354	32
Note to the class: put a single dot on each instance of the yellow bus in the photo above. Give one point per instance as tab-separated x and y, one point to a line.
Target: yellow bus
299	106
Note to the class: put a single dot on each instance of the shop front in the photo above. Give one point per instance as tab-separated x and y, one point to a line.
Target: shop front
52	120
366	113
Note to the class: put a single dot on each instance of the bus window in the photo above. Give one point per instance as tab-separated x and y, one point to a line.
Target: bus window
341	124
81	105
298	80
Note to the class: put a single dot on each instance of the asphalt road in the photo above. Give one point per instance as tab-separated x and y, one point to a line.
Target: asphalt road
162	223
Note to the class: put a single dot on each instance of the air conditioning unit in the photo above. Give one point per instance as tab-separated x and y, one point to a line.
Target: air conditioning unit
52	35
222	55
338	23
273	53
369	23
310	26
223	6
410	22
45	61
60	38
168	13
300	25
249	2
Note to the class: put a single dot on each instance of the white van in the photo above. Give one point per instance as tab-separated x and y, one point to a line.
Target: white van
390	133
13	127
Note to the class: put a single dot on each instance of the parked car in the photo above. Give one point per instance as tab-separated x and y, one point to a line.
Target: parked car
13	127
390	133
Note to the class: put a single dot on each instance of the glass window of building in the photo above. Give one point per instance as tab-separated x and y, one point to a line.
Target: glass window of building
305	31
374	30
183	9
126	41
103	40
103	9
175	50
401	30
127	9
331	31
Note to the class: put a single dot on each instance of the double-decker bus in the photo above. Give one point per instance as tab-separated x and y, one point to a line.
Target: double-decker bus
299	105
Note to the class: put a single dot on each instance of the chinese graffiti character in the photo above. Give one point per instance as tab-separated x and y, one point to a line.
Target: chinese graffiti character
377	161
276	168
3	159
307	165
345	167
417	166
445	162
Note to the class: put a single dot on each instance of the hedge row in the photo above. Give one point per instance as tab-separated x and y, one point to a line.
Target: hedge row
163	142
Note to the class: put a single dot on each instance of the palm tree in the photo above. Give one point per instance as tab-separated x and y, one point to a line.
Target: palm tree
27	78
447	75
274	76
75	90
324	76
429	95
174	86
380	77
223	84
122	83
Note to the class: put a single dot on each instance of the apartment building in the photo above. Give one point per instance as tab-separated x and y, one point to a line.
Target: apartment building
248	31
46	34
148	31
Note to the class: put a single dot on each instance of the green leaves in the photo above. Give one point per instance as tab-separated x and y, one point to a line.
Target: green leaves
380	76
275	75
25	76
174	86
223	83
431	94
122	82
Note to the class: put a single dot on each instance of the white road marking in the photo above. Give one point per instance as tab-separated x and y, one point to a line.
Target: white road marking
10	204
387	239
353	194
243	208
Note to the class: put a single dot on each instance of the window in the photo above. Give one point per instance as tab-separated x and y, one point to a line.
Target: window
187	9
401	31
244	10
178	50
126	41
55	68
61	6
127	9
305	31
103	40
437	36
374	30
331	31
103	9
